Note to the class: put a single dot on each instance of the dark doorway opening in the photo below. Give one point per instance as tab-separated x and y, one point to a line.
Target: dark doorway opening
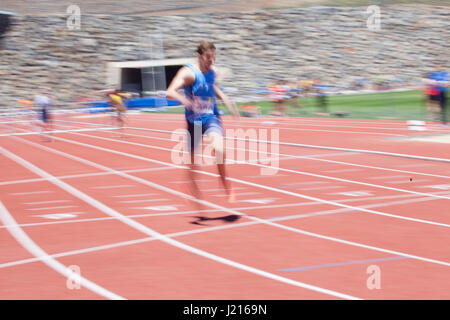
147	80
131	80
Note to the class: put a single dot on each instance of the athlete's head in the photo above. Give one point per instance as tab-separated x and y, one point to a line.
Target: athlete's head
206	52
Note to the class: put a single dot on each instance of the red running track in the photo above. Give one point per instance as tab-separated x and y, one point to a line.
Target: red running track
353	210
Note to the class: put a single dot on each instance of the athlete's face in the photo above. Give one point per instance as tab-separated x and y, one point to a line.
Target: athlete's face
207	59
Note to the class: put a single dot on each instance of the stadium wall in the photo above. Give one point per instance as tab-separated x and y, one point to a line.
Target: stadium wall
334	45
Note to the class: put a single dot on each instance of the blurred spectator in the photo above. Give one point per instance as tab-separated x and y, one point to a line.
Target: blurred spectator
321	96
441	81
431	93
278	94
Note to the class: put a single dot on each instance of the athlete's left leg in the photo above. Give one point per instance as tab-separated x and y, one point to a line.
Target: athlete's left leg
215	137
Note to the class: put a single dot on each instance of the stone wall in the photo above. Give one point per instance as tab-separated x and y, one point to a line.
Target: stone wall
333	44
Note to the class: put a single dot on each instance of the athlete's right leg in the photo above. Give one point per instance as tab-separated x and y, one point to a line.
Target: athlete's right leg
194	146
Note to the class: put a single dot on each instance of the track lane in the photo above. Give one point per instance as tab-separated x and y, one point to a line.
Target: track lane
149	231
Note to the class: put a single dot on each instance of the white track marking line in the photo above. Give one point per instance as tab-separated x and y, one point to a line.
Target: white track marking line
262	186
321	130
388	177
134	195
182	233
150	232
144	200
26	242
304	157
307	183
400	155
149	215
83	175
209	204
259	207
58	216
313	158
309	129
408	181
32	192
113	187
54	131
349	181
50	208
299	121
341	205
45	202
79	251
259	165
221	189
280	169
240	194
343	170
321	188
413	165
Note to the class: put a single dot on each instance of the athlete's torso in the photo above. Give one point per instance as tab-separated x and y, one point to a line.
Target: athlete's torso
203	95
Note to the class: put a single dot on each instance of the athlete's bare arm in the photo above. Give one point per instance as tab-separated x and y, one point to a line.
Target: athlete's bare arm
230	105
184	77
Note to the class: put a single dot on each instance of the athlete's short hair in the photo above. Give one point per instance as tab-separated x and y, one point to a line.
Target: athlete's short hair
205	46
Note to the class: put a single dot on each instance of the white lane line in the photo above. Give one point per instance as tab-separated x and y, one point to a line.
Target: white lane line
189	181
240	125
221	189
308	183
79	251
259	207
299	157
374	124
194	231
209	204
406	181
45	202
26	242
133	195
400	155
298	195
313	123
320	188
276	168
342	205
51	208
143	200
147	215
389	177
341	170
260	176
32	192
59	216
240	194
414	165
150	232
82	175
55	131
113	187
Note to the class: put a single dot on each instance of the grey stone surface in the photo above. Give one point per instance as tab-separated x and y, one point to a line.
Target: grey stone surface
332	44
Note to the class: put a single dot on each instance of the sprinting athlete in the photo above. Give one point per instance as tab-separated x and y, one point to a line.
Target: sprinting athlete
201	112
116	100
